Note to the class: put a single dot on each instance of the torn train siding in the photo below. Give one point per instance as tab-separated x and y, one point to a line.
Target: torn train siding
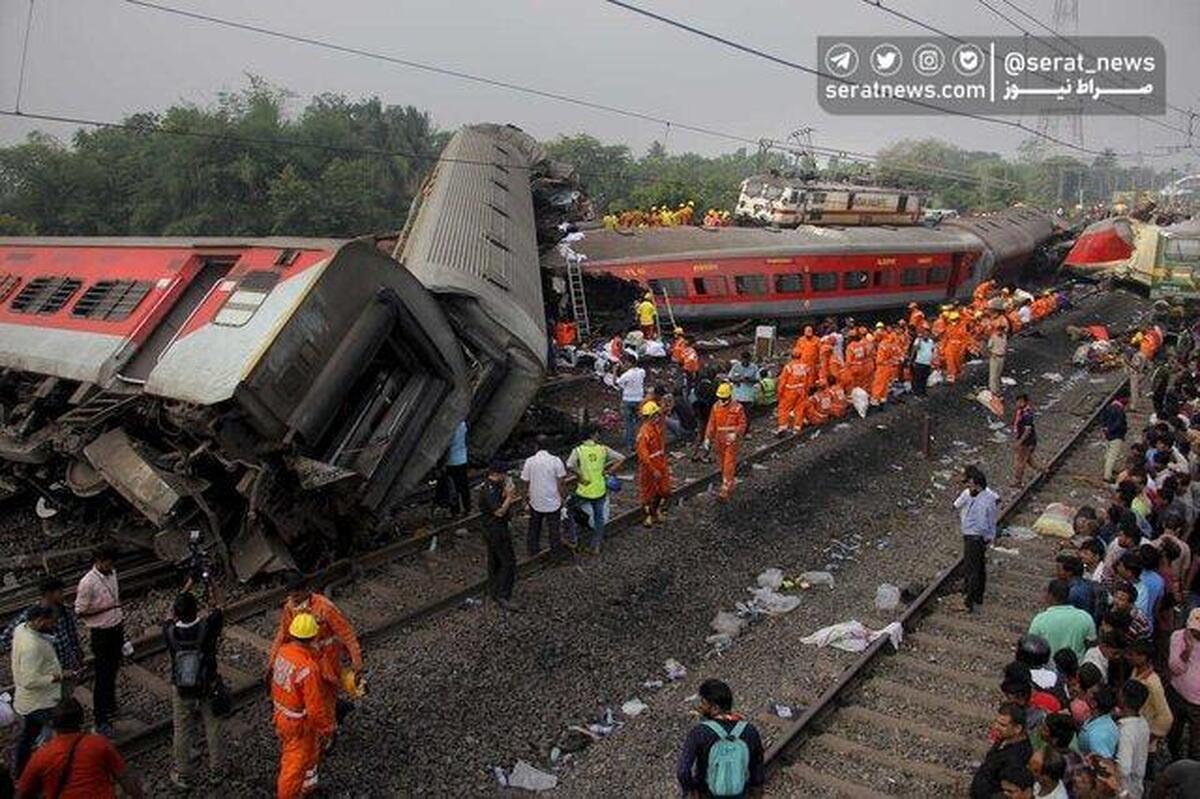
279	395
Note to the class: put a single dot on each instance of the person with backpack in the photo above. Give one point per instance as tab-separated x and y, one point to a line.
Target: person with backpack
723	754
192	644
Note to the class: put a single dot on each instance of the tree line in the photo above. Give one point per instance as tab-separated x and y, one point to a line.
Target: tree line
342	167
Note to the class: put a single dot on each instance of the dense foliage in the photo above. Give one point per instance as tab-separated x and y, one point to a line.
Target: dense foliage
339	167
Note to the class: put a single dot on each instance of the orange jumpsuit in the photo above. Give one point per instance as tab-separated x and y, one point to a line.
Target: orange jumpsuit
791	390
677	347
654	473
808	350
867	365
888	356
1014	321
856	357
818	408
916	318
824	356
979	297
954	348
335	639
1149	344
838	404
302	719
726	425
690	360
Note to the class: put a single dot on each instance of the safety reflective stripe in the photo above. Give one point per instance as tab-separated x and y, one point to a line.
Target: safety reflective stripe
291	714
327	641
730	427
655	454
310	778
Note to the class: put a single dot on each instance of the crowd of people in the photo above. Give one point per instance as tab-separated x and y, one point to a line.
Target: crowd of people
664	216
313	669
1102	698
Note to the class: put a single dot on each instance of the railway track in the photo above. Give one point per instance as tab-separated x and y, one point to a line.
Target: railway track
913	722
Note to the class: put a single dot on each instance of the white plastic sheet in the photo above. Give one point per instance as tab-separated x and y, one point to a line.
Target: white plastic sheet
860	400
528	778
852	636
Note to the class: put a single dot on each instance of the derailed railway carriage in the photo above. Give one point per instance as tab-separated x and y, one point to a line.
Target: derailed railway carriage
280	396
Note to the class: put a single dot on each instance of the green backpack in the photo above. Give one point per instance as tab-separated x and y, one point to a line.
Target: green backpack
728	761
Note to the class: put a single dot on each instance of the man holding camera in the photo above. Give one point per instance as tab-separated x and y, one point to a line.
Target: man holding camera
192	643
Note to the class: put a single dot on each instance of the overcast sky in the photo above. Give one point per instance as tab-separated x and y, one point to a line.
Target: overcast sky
103	59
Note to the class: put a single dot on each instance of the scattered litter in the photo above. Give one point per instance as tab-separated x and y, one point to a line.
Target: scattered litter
759	467
727	624
813	579
990	401
719	642
852	636
1007	381
816	433
633	707
1019	533
653	685
1056	520
770	578
675	670
881	427
887	597
1006	550
526	777
884	543
472	601
897	467
935	378
772	602
999	437
783	711
1053	377
841	426
861	401
500	776
996	425
555	754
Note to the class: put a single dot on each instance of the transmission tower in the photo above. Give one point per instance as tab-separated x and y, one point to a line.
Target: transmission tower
1068	127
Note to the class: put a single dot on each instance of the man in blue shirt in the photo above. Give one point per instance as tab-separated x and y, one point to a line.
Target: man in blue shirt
921	355
1082	592
1152	586
1099	735
977	511
458	490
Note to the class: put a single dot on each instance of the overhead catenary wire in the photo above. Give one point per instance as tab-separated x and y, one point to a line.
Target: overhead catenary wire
667	123
788	63
24	54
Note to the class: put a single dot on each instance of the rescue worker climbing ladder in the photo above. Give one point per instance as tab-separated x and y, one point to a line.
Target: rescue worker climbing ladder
654	473
726	426
303	720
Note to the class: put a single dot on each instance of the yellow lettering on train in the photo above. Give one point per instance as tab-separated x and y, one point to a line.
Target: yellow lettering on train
704	267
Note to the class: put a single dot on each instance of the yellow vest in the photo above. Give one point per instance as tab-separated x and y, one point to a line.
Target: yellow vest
646	312
592	457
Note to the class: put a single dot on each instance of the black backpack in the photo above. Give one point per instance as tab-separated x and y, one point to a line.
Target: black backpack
188	669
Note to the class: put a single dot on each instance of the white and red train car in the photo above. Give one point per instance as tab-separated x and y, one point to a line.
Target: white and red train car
730	272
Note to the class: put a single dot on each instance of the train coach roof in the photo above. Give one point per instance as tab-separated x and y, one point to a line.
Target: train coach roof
199	242
658	244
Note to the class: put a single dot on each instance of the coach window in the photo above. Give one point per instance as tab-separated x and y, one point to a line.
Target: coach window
912	277
854	280
750	284
673	286
881	279
709	286
823	281
937	274
789	284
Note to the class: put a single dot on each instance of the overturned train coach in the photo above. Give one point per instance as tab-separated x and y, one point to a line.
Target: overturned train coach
280	396
730	272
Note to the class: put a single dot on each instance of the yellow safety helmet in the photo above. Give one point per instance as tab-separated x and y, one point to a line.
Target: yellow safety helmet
691	203
1137	338
954	316
879	325
648	296
678	331
304	626
724	391
650	408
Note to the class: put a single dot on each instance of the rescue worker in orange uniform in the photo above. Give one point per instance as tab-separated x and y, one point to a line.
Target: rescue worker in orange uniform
818	407
791	391
856	358
677	346
808	349
954	346
335	643
726	426
979	297
888	357
1148	341
689	359
916	317
654	472
831	365
303	720
839	404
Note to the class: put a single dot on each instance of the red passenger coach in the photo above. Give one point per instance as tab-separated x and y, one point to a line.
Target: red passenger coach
748	272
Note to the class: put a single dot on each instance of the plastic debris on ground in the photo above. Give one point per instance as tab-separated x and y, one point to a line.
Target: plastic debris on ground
853	636
782	711
936	378
759	467
1006	550
1007	381
842	426
633	707
996	425
528	778
726	623
1057	520
999	437
990	401
887	597
674	669
770	578
1053	377
772	602
653	685
815	578
1018	533
861	400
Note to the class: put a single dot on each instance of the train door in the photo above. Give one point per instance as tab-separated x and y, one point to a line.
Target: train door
960	271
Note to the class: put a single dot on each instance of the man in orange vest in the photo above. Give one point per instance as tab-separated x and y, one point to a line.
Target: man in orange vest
790	391
888	356
654	473
856	357
335	642
677	346
839	404
916	317
726	426
689	359
954	346
808	349
302	718
979	298
818	406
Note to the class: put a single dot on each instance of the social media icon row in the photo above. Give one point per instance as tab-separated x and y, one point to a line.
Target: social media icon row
886	59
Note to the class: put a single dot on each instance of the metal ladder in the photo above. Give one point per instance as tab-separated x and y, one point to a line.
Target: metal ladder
579	307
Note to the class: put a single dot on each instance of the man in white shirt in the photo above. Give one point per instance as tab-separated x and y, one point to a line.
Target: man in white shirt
545	473
632	382
1049	768
1133	745
977	510
98	606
